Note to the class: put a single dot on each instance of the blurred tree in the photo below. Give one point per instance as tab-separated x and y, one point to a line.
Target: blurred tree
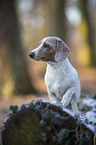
13	71
57	18
88	8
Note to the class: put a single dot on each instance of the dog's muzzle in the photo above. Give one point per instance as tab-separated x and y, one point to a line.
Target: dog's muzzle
31	54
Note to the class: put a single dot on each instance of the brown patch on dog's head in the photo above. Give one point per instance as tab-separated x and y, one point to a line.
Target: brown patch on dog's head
48	52
50	49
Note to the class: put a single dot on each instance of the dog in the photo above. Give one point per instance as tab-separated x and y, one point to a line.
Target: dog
61	78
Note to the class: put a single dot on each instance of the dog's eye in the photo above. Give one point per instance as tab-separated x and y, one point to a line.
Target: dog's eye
45	45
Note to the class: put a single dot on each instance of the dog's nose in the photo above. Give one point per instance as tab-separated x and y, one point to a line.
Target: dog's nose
31	54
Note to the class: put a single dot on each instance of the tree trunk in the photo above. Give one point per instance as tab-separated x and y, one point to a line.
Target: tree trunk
13	70
89	13
57	18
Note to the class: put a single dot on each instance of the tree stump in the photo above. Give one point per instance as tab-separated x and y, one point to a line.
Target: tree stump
43	123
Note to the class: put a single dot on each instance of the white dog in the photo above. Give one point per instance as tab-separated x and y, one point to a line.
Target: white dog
61	78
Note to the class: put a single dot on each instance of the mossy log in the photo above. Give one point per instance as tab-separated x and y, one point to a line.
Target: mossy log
44	123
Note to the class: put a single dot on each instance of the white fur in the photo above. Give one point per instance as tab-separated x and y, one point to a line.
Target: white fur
62	83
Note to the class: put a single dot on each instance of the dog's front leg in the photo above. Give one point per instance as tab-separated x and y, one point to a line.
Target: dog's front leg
53	97
68	96
74	104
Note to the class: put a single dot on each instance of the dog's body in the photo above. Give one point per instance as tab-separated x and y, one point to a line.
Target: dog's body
61	78
63	84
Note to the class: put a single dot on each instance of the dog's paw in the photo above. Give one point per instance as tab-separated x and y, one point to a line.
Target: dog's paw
65	102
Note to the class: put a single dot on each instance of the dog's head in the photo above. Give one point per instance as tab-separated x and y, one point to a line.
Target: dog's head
50	49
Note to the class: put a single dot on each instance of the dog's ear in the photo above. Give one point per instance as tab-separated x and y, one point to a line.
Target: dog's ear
62	51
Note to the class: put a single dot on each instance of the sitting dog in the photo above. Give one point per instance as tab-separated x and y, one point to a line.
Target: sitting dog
61	78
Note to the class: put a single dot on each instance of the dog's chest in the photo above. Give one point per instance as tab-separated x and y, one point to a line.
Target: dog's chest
55	80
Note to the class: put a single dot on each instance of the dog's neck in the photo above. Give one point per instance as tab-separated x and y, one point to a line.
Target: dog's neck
64	65
56	64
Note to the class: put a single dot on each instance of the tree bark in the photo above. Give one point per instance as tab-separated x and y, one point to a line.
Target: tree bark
89	14
13	70
57	18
